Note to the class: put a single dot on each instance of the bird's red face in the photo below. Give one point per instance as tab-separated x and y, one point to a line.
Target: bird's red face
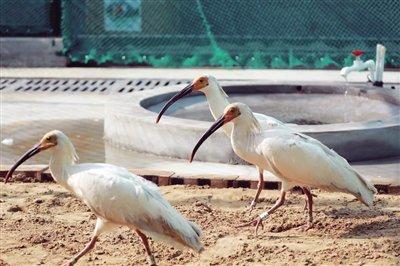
196	85
48	141
200	83
230	113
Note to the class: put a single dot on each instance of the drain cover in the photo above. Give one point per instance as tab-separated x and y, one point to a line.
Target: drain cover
101	86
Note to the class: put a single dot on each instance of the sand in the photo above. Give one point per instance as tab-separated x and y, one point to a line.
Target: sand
42	223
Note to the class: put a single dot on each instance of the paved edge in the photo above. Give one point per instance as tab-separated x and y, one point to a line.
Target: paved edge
390	76
41	173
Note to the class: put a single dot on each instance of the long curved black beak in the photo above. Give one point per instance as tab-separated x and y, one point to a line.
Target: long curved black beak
185	91
217	124
34	150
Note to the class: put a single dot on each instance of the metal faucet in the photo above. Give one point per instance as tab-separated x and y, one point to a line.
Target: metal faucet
375	71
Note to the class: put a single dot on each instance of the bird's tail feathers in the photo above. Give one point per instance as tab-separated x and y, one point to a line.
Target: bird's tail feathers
363	190
183	234
192	237
196	228
366	191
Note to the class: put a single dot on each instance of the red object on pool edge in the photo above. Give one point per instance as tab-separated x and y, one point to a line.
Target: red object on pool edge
357	52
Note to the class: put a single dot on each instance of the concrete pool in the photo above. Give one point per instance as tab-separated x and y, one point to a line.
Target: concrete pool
358	121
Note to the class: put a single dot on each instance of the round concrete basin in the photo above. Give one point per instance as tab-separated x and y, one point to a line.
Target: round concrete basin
359	122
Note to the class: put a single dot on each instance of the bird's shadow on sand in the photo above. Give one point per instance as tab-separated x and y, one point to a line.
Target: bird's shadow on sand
369	222
375	229
351	213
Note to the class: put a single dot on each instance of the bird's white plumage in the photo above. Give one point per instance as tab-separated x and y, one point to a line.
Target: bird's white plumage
118	197
295	158
123	198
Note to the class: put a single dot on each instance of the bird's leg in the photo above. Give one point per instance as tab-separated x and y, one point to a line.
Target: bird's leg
304	192
260	186
258	221
306	203
101	226
145	242
87	248
310	205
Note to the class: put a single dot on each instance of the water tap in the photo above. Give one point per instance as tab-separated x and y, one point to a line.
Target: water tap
359	65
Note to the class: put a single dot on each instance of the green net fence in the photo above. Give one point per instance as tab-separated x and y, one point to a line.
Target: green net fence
29	17
230	33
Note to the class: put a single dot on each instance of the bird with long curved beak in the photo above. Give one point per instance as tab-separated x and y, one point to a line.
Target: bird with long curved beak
217	101
195	85
296	159
116	196
30	153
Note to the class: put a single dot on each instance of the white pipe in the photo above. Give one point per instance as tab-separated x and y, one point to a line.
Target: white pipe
380	64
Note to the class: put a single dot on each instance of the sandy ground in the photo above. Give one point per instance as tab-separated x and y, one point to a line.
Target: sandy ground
41	223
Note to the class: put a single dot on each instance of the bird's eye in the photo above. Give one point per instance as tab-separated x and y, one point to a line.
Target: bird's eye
48	138
201	80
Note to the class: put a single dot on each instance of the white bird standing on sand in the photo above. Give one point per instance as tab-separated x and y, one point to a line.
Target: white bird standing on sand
298	160
217	101
116	197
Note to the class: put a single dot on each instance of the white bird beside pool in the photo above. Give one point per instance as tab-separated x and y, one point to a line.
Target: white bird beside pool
116	197
218	100
298	160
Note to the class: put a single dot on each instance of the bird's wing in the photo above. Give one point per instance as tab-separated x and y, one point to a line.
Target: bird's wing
305	161
123	198
338	160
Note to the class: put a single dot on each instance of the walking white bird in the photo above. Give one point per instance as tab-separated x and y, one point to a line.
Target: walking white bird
298	160
116	197
217	101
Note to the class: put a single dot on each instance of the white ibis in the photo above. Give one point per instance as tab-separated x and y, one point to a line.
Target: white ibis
116	196
298	160
217	101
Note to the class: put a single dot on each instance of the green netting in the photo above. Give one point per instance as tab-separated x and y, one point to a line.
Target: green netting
28	17
229	33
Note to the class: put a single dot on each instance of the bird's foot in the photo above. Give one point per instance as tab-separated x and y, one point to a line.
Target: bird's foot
307	226
256	222
70	262
151	260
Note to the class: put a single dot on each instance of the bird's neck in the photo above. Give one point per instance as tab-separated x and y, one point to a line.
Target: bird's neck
60	162
217	101
245	136
244	141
